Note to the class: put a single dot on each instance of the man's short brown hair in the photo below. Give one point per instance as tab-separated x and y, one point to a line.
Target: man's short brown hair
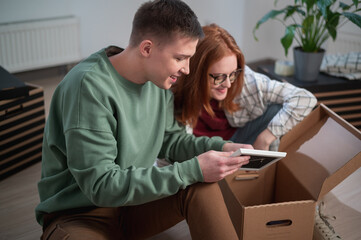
161	19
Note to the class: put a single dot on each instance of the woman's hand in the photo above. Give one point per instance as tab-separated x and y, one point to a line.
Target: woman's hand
232	147
264	140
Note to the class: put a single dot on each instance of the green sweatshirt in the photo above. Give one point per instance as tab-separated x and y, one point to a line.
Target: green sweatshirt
102	137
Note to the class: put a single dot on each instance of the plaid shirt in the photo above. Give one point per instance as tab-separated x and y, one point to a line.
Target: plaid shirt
259	91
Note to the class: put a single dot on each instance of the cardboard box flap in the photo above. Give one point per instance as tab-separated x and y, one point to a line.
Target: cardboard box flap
340	175
322	151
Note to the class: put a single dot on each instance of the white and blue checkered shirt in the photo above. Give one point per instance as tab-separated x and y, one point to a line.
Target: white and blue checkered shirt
259	91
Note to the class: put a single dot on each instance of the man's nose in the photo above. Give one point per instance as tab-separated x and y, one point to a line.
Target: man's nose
185	68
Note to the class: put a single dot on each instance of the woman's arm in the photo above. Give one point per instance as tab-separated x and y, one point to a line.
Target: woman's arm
260	91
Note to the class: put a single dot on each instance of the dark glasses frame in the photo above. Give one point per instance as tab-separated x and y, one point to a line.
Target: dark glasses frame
220	78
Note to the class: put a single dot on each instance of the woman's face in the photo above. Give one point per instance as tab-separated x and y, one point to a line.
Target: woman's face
226	66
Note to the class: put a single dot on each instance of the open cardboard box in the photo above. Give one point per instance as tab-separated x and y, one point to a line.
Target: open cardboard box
279	202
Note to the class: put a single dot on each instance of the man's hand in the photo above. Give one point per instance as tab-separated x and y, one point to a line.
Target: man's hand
232	147
217	165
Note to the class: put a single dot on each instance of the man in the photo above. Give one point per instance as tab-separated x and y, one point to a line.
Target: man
110	118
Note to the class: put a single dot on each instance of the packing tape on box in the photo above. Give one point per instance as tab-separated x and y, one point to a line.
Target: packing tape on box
284	68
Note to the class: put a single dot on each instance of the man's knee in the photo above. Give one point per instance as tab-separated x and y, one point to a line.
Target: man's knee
204	193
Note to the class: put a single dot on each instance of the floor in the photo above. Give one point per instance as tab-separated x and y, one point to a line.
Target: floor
18	193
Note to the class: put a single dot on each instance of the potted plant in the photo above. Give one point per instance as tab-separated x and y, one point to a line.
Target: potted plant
310	23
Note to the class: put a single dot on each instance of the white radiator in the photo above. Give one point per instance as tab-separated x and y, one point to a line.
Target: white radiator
37	44
345	42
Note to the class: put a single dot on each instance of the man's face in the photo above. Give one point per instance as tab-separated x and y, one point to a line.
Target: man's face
169	61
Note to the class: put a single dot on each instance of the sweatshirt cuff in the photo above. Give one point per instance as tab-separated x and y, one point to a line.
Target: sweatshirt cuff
216	143
190	172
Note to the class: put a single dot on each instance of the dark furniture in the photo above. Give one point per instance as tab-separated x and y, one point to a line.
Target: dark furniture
341	95
22	120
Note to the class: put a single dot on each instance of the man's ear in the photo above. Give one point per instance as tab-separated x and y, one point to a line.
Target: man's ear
145	47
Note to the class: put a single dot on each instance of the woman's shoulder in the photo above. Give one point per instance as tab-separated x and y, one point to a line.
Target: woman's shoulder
251	78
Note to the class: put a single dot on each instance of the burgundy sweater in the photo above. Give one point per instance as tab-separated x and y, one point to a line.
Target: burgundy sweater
217	126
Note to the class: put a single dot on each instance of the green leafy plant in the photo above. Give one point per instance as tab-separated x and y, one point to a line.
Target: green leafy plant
312	22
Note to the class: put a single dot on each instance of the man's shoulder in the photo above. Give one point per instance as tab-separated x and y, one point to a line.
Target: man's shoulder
91	65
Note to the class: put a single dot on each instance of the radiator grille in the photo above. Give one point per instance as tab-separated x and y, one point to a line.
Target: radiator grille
345	42
38	44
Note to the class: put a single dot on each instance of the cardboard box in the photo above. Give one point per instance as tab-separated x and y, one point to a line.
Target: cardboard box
22	120
279	203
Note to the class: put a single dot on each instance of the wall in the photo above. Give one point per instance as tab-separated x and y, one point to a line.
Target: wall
109	21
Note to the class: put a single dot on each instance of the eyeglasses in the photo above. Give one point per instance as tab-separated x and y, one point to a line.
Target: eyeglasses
220	78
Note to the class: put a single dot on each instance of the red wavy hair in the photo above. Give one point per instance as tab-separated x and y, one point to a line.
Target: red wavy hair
192	92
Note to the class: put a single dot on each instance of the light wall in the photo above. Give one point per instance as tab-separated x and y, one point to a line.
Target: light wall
107	22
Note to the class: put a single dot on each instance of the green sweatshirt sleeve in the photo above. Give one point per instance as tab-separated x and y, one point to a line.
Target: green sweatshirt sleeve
178	145
106	184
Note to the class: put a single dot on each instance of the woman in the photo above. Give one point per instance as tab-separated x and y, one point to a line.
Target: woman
223	97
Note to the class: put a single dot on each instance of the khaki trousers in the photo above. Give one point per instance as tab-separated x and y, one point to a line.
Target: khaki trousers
202	205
